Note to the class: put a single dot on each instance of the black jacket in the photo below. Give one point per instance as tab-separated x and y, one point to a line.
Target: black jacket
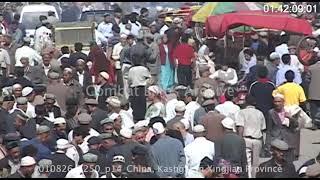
105	91
56	111
287	170
66	164
87	82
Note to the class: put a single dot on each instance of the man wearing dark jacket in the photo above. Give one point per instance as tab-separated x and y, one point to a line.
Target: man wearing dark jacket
6	105
106	90
96	113
59	158
139	52
11	162
77	54
83	77
51	109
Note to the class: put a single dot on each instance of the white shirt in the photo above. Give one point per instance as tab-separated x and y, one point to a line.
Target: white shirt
163	29
63	56
280	77
225	73
138	76
31	112
127	119
100	38
84	146
81	78
196	151
191	107
73	154
77	172
135	28
194	174
105	29
116	51
170	109
282	49
296	63
248	64
228	109
4	58
46	69
41	37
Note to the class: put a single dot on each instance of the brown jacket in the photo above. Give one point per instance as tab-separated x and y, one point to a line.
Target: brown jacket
212	123
314	93
60	91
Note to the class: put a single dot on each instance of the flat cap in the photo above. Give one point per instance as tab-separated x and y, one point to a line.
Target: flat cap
208	102
91	102
49	96
114	101
22	101
198	128
180	106
106	14
208	93
53	75
12	144
45	163
94	140
106	136
90	158
59	120
106	120
84	118
43	129
139	150
27	161
279	144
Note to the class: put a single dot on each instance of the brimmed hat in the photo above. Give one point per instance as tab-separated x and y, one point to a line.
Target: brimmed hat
84	118
43	129
91	102
106	120
279	144
90	158
49	96
94	140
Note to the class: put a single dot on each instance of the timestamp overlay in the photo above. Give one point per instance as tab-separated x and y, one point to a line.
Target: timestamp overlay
292	8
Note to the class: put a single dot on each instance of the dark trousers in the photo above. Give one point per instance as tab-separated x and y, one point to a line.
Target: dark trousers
314	109
138	102
184	74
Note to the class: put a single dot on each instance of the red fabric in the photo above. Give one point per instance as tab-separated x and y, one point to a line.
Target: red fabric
100	63
184	53
163	53
263	80
218	25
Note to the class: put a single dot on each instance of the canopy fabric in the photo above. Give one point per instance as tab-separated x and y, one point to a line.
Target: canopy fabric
218	25
216	8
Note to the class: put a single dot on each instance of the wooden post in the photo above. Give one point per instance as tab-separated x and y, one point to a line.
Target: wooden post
225	44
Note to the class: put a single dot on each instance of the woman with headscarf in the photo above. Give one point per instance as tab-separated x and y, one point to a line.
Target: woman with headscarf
100	62
167	64
157	98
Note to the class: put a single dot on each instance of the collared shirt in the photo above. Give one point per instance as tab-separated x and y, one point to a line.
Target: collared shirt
280	79
26	51
156	109
293	93
252	120
100	38
31	112
196	151
191	107
73	154
81	77
78	173
105	29
135	28
46	69
228	109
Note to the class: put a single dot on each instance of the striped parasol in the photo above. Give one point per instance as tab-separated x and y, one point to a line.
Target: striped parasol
216	8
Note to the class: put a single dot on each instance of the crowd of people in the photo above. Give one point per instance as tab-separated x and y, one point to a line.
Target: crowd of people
150	100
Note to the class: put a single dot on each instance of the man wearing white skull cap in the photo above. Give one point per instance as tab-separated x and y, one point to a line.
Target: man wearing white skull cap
27	168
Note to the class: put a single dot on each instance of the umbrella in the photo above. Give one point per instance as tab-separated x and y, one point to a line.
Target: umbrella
216	8
218	25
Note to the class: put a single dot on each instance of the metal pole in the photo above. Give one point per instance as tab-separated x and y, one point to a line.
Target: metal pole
225	44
